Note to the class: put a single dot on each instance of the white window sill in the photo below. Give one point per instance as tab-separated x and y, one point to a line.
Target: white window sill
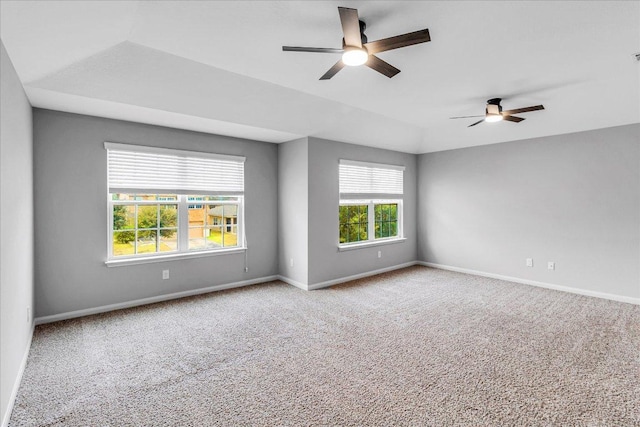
353	246
170	257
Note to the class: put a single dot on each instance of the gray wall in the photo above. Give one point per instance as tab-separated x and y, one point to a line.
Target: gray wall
573	199
293	221
70	223
325	261
16	226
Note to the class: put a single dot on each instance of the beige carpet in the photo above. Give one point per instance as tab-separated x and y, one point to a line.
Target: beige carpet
418	347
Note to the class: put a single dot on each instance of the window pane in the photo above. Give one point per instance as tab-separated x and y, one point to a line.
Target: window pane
393	212
385	212
215	214
123	243
393	228
168	216
148	216
377	210
363	220
145	197
230	239
221	198
197	238
343	214
230	220
353	212
214	237
124	217
196	216
146	241
169	240
352	233
363	232
344	233
121	196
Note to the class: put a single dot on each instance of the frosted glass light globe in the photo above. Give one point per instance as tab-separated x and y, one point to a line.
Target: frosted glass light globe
354	57
493	118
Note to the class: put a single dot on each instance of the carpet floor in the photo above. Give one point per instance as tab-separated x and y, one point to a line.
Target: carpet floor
414	347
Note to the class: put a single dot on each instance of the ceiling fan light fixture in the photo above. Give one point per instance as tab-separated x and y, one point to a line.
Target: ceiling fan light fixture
492	118
355	56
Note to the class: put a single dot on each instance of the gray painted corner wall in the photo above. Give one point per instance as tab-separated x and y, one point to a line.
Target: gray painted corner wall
572	199
70	223
326	263
293	220
16	227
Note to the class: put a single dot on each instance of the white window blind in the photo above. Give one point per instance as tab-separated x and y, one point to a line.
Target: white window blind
135	169
361	179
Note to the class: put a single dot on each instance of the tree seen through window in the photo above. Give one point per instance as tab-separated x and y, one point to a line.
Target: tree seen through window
354	221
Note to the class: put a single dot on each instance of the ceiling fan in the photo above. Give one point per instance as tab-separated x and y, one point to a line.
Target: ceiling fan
357	50
495	113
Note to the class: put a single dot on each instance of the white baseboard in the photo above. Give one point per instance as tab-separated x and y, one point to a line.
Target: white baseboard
150	300
294	283
18	380
613	297
359	276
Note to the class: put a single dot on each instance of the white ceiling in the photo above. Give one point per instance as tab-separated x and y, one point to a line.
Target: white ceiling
218	67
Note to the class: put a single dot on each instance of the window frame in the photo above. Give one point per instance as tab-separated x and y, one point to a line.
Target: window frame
371	184
371	239
182	229
133	170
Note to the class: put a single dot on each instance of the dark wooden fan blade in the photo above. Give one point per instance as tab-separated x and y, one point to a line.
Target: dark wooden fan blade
381	66
333	70
512	118
311	49
524	110
350	26
465	117
476	123
398	41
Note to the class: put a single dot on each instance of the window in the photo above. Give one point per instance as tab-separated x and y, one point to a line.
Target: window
370	209
171	202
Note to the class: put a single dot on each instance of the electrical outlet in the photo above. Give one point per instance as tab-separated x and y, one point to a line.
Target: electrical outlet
165	274
379	254
529	262
551	265
246	269
291	262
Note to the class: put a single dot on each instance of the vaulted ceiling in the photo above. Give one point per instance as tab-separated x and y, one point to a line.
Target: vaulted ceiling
218	67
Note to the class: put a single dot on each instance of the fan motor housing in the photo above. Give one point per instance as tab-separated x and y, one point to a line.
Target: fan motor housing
493	106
